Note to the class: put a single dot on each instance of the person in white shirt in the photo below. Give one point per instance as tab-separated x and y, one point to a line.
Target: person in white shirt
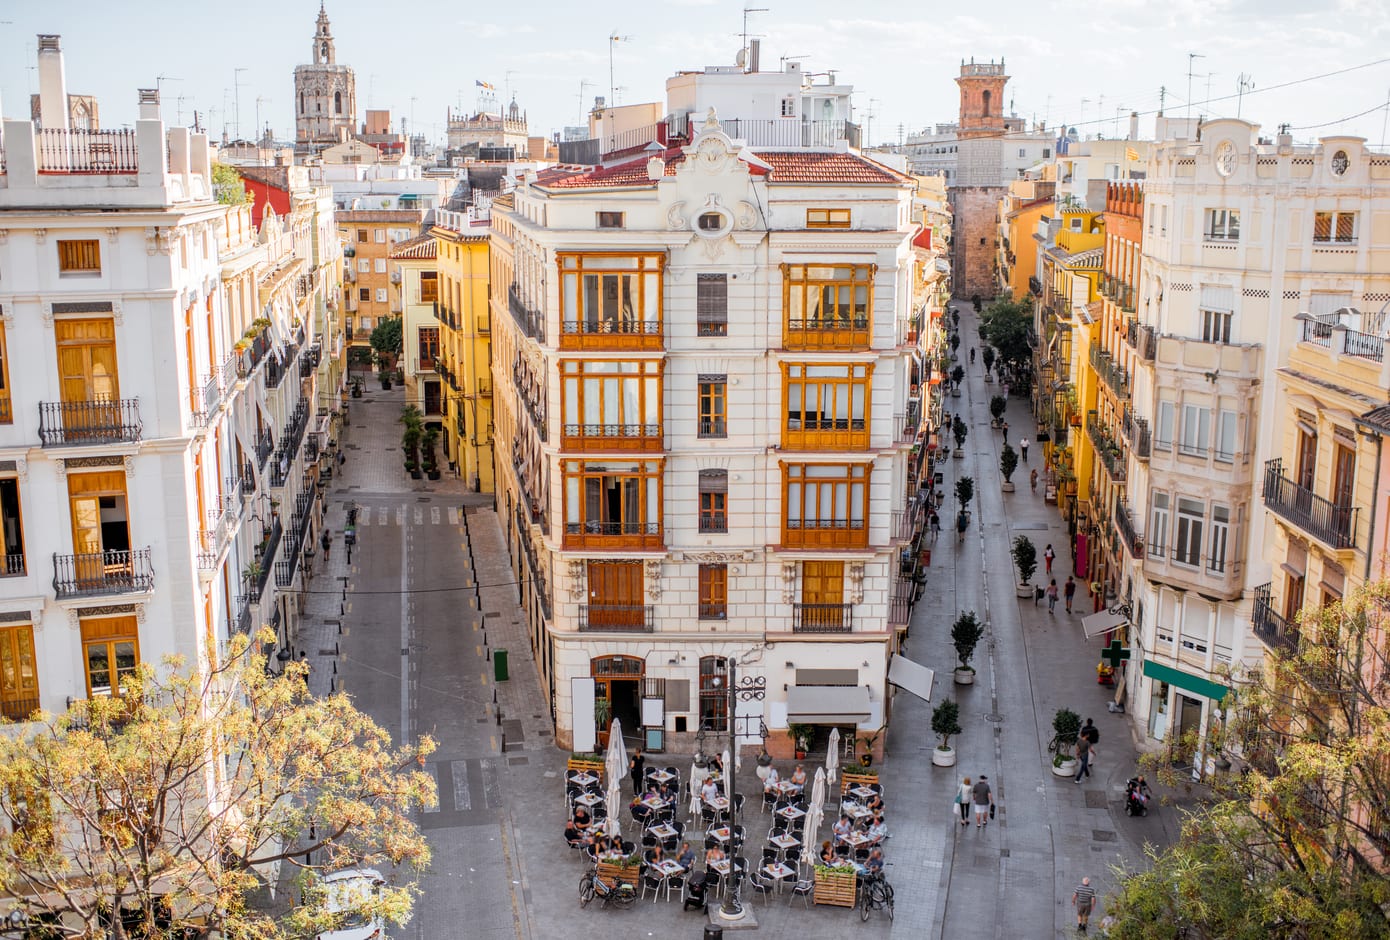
709	792
843	828
771	780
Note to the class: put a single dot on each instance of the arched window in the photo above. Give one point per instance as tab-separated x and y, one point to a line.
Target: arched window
987	97
714	696
337	102
324	50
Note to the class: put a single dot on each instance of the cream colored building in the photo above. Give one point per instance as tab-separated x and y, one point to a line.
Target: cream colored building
1244	245
702	372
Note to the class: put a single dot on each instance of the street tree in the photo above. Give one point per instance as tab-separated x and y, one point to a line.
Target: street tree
167	806
1005	325
1295	839
386	340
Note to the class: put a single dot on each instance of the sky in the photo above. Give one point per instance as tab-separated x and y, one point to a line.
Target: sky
1077	62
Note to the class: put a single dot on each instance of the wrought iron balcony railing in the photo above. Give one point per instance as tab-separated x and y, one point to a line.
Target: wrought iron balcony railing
94	574
617	618
822	618
65	423
1331	523
1275	630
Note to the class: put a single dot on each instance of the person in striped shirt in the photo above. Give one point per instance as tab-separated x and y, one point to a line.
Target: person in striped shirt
1084	897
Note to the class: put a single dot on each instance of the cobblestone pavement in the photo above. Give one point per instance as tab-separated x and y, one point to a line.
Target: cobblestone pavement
431	595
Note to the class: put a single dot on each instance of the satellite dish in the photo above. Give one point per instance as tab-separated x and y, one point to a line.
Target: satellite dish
742	58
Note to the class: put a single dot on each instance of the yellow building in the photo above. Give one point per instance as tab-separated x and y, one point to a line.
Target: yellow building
464	360
1067	381
1022	207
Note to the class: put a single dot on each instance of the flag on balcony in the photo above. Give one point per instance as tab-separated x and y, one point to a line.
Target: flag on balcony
1131	154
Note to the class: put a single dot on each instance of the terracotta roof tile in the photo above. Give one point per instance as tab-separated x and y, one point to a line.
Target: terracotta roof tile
630	173
421	246
788	166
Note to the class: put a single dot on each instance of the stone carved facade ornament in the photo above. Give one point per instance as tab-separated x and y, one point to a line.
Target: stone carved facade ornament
4	235
112	234
653	578
675	217
746	217
7	315
576	570
22	468
856	582
158	240
40	235
716	558
788	582
117	313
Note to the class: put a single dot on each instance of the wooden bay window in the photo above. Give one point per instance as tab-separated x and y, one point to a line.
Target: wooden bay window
611	405
613	504
611	300
825	505
827	406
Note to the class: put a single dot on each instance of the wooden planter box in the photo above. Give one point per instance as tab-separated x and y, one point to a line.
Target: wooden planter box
835	888
594	767
849	781
613	873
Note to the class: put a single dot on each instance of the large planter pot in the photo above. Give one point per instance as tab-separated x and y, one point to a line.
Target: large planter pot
416	474
955	393
958	454
1023	590
433	474
1007	486
1067	768
989	379
943	756
964	677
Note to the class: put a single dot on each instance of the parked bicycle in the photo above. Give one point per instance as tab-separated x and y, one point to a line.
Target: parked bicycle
875	893
620	894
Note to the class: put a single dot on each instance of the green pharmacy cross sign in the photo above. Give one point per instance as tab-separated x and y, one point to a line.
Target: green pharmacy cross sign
1115	654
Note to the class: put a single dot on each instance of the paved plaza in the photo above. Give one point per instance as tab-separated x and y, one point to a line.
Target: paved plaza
407	628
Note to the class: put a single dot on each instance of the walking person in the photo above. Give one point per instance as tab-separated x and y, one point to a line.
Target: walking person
1023	447
637	764
1069	591
326	541
983	798
964	796
972	355
962	521
934	523
1052	597
1084	899
1085	753
1048	555
1033	479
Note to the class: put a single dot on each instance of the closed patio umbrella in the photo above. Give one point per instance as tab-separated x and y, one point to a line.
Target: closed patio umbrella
615	805
814	814
615	761
832	755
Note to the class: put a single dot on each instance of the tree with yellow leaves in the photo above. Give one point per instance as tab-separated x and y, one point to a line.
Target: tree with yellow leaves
170	805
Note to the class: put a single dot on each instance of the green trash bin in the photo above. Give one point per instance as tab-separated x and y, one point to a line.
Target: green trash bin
499	665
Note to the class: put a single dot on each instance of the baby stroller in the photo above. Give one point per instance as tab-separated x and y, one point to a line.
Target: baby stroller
694	894
1137	797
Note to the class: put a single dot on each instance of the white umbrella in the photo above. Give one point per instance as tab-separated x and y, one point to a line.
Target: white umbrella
814	814
832	755
728	772
615	762
615	805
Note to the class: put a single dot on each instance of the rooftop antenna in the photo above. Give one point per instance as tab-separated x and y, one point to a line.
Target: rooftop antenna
1082	122
159	81
236	82
507	82
744	47
259	100
869	124
178	112
1190	57
1384	120
1244	82
613	39
1206	105
783	60
583	84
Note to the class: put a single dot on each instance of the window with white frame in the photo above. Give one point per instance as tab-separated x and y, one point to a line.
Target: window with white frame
1220	534
364	265
789	106
1187	533
1221	225
381	295
1226	436
1163	426
1337	228
1196	430
1216	326
1158	525
381	236
380	265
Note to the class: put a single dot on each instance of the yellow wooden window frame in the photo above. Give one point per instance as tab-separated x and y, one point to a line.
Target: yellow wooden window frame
827	305
826	432
714	406
829	527
827	218
638	318
79	256
582	379
714	592
19	671
108	633
6	408
644	529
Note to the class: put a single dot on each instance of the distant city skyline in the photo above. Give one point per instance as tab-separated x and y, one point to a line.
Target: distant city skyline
1071	63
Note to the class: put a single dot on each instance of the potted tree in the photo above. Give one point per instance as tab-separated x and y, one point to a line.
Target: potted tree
945	724
867	742
965	492
603	714
988	356
1008	463
1067	724
965	636
801	739
997	404
957	374
428	442
959	431
1026	561
410	439
357	388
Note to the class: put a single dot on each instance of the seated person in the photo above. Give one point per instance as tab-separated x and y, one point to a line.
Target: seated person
650	793
716	764
653	855
639	810
874	863
827	853
612	848
574	835
713	854
709	792
874	803
878	830
843	828
686	856
799	778
771	780
665	793
582	820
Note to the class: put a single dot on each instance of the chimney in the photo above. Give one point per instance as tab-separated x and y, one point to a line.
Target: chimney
1134	125
149	104
53	84
754	49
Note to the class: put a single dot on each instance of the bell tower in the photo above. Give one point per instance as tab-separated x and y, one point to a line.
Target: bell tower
323	39
981	98
979	180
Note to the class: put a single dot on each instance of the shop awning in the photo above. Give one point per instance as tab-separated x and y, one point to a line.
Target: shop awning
1185	680
827	704
1096	624
914	677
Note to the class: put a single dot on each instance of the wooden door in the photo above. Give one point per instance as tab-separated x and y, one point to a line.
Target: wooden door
615	595
103	543
87	360
1307	468
822	594
19	677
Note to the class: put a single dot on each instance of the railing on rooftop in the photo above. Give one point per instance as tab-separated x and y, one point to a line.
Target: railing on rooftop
790	132
79	151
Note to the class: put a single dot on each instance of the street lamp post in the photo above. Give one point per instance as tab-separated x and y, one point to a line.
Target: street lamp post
750	689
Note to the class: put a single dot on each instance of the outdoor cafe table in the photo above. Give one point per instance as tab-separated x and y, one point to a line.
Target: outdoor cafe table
862	792
668	867
662	776
583	779
720	803
663	831
785	787
855	839
791	813
655	802
784	841
589	799
721	834
778	872
855	810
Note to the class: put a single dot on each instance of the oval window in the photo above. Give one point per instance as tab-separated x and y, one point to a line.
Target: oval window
711	222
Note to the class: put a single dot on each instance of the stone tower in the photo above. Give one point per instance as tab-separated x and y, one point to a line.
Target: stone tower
979	180
325	95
